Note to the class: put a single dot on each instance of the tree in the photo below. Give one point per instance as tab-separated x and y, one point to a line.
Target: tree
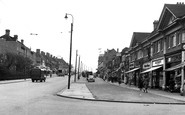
13	66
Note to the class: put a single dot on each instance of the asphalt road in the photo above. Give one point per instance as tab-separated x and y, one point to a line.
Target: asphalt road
27	98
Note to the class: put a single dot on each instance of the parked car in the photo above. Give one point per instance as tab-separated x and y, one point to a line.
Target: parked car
91	78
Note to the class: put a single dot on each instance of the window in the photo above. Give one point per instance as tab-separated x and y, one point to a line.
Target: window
174	39
162	44
178	38
153	47
183	36
158	46
171	20
167	42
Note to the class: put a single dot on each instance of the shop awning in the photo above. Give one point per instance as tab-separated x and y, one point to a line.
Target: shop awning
132	70
151	69
176	67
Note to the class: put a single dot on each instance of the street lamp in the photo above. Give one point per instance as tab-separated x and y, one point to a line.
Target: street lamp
70	48
76	65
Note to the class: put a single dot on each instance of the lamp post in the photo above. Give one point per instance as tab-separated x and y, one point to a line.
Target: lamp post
70	48
76	65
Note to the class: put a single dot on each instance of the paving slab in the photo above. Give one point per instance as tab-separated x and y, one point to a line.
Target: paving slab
77	90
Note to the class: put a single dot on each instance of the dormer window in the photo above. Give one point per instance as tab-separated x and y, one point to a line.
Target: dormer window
171	19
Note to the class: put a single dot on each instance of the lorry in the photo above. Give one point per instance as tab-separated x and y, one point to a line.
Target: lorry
60	72
37	74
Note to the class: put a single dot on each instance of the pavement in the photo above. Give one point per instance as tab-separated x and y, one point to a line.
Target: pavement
84	90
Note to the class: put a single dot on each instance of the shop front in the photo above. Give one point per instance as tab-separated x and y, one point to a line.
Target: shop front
155	73
173	70
132	74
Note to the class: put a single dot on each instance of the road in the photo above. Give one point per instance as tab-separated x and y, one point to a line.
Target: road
27	98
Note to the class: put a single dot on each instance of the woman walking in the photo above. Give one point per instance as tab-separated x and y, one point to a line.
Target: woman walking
140	83
145	84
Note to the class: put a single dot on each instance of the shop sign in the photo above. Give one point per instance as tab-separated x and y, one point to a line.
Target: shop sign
131	65
158	62
146	65
174	58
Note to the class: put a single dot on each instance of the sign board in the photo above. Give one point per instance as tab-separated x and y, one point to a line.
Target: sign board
146	65
157	62
131	65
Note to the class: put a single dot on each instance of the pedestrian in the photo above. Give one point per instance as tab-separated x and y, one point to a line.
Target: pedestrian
145	84
119	80
140	83
171	84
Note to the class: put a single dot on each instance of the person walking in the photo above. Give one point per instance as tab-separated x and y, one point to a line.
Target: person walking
145	84
119	80
140	83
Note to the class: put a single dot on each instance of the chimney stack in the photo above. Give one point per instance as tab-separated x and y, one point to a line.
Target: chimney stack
15	37
38	51
22	41
7	32
155	23
117	49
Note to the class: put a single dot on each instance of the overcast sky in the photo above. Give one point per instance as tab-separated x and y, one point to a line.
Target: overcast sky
104	24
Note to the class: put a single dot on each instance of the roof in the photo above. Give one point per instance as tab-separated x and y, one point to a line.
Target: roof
138	37
177	9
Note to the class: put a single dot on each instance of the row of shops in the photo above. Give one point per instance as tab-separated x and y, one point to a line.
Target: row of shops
161	72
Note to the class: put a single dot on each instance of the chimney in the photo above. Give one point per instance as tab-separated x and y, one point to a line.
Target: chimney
22	41
7	32
155	23
38	51
117	49
15	37
43	53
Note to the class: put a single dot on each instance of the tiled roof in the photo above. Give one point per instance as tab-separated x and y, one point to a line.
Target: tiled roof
177	9
140	36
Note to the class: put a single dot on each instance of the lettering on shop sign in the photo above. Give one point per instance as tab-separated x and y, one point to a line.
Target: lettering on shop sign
174	58
146	65
131	65
157	62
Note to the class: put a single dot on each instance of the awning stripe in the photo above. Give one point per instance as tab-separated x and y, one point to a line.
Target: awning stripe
151	69
132	70
175	67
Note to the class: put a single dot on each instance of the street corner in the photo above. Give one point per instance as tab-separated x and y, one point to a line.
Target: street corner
77	90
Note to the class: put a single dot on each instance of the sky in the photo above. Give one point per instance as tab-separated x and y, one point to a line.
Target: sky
98	25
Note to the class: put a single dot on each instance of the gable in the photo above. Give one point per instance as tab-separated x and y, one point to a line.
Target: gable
138	37
169	14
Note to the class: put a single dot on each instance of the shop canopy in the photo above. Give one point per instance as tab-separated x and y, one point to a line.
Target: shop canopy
132	70
151	69
176	67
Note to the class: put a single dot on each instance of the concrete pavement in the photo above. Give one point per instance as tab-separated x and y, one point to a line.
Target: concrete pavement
77	90
84	90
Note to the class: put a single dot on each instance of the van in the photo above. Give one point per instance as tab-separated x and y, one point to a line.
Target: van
37	75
